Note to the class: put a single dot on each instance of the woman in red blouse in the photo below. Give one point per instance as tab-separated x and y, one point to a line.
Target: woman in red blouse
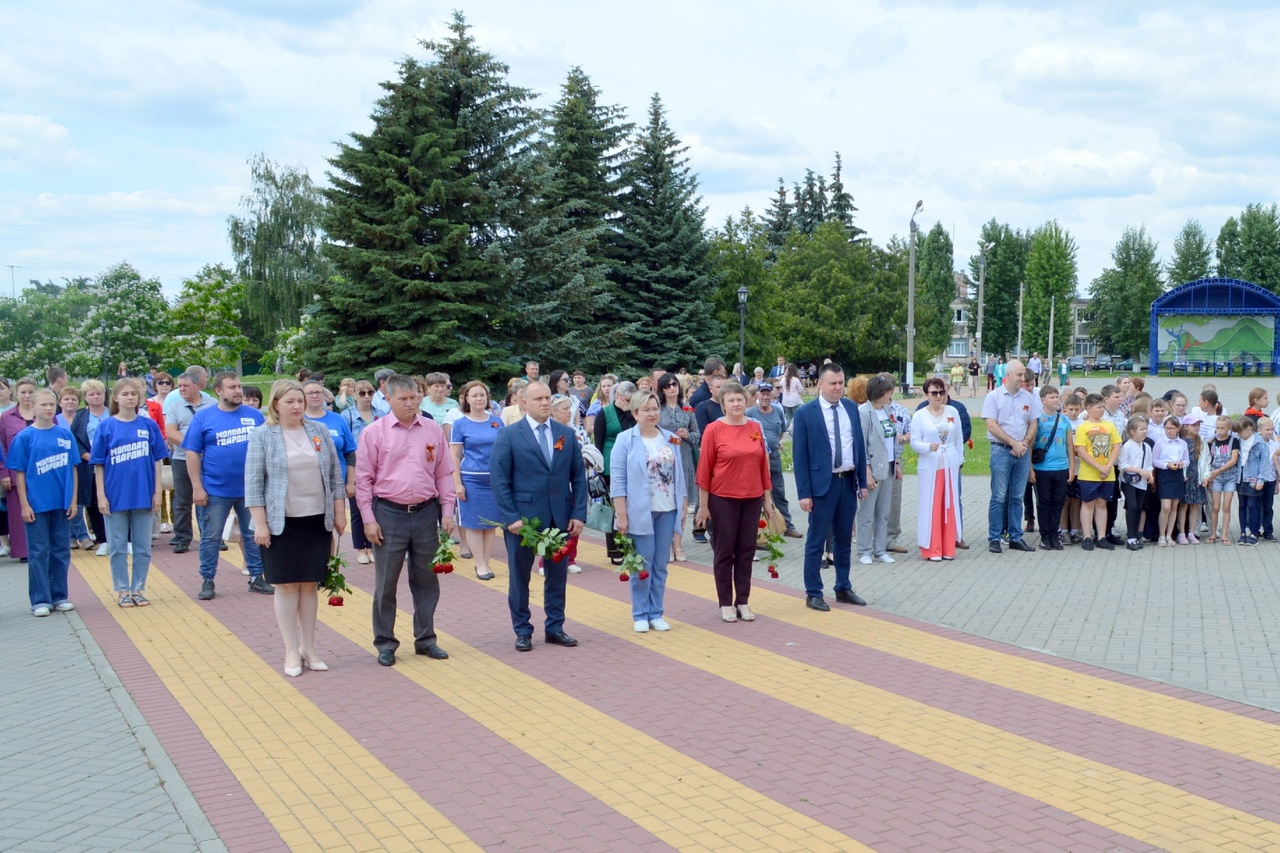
733	485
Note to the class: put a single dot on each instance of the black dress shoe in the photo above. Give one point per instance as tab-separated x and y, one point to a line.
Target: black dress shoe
387	657
433	652
994	546
1019	545
524	643
815	602
181	549
1056	542
1115	540
560	638
1046	544
848	596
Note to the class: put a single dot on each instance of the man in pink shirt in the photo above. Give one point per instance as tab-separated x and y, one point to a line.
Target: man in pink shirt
404	488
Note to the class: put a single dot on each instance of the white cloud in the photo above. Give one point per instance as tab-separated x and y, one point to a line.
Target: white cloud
31	142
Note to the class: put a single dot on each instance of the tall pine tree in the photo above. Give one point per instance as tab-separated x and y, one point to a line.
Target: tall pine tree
779	221
663	273
563	248
420	212
841	209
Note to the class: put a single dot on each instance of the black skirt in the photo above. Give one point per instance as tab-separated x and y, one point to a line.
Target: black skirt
1171	485
300	554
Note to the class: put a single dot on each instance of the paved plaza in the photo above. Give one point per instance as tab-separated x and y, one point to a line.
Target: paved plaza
1046	701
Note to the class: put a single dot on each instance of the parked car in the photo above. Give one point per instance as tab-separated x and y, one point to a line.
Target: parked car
1077	364
1102	362
1127	365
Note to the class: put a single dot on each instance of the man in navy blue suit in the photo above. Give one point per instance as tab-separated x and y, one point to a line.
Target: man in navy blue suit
536	471
831	475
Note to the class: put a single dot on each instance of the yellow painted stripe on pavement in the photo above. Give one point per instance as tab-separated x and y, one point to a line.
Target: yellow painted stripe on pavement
313	781
1145	709
681	801
1118	800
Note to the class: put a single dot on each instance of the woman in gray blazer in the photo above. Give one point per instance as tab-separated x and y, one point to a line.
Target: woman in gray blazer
294	491
879	433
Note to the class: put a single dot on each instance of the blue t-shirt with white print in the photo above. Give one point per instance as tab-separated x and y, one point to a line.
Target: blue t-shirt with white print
128	452
222	440
47	458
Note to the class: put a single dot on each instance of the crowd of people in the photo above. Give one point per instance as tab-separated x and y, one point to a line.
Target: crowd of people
411	469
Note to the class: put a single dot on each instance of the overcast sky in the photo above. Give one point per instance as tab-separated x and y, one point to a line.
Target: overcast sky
125	127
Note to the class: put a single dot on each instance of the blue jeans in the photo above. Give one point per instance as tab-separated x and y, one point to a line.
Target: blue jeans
655	549
1008	483
123	526
48	557
215	518
78	529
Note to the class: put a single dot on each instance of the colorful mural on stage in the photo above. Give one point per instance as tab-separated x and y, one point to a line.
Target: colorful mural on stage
1205	338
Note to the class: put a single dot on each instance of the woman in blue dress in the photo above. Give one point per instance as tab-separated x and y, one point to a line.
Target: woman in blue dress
470	442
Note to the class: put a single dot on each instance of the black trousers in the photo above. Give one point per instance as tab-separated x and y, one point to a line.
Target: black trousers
1135	500
1051	496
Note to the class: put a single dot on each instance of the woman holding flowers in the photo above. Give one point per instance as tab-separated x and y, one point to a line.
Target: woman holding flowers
936	436
294	491
733	486
649	497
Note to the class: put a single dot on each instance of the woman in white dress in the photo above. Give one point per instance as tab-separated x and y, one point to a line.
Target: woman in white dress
937	438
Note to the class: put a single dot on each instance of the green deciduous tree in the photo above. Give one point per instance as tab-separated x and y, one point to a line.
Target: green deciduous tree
205	322
935	290
420	214
1227	250
276	244
663	276
126	321
1260	246
1122	295
741	255
1006	270
1051	272
1192	255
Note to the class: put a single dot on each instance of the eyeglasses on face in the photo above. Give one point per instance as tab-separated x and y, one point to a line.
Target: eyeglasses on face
936	393
364	393
163	382
315	393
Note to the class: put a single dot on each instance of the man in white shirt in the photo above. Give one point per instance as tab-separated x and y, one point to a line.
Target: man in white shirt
1011	427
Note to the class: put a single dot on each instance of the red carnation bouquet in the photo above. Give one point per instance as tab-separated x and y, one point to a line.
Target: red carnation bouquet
550	544
335	583
774	542
442	562
632	563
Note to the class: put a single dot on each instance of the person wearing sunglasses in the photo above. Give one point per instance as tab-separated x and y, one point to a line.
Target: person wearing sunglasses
938	438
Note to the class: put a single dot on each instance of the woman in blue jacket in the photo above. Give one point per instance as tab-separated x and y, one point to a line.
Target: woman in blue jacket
649	497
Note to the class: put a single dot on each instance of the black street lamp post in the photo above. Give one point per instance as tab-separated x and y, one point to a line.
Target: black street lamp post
742	329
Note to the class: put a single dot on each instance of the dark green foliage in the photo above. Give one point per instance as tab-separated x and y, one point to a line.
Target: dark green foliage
1123	294
1230	263
1192	255
662	272
1006	270
419	212
1260	246
780	220
935	290
1051	272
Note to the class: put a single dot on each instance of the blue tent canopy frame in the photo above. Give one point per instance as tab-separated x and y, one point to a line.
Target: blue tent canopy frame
1220	297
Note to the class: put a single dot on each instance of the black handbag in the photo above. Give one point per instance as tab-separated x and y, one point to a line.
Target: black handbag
1038	454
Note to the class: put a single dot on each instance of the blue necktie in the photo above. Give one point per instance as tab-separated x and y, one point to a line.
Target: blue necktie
835	426
542	440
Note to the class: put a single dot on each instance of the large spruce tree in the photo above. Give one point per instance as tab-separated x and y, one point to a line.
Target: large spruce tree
565	244
663	274
420	213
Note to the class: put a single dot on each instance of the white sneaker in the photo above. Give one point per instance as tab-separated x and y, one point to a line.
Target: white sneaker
166	527
4	551
42	610
103	550
575	569
542	572
64	607
865	560
885	558
244	572
659	625
642	626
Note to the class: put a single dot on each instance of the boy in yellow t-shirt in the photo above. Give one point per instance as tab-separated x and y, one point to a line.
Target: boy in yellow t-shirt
1097	447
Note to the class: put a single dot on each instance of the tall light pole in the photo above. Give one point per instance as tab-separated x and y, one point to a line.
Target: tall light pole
909	377
12	281
982	283
742	328
1021	288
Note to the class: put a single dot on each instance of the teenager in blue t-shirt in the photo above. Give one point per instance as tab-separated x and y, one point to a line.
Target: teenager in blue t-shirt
216	444
1052	473
126	455
45	462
